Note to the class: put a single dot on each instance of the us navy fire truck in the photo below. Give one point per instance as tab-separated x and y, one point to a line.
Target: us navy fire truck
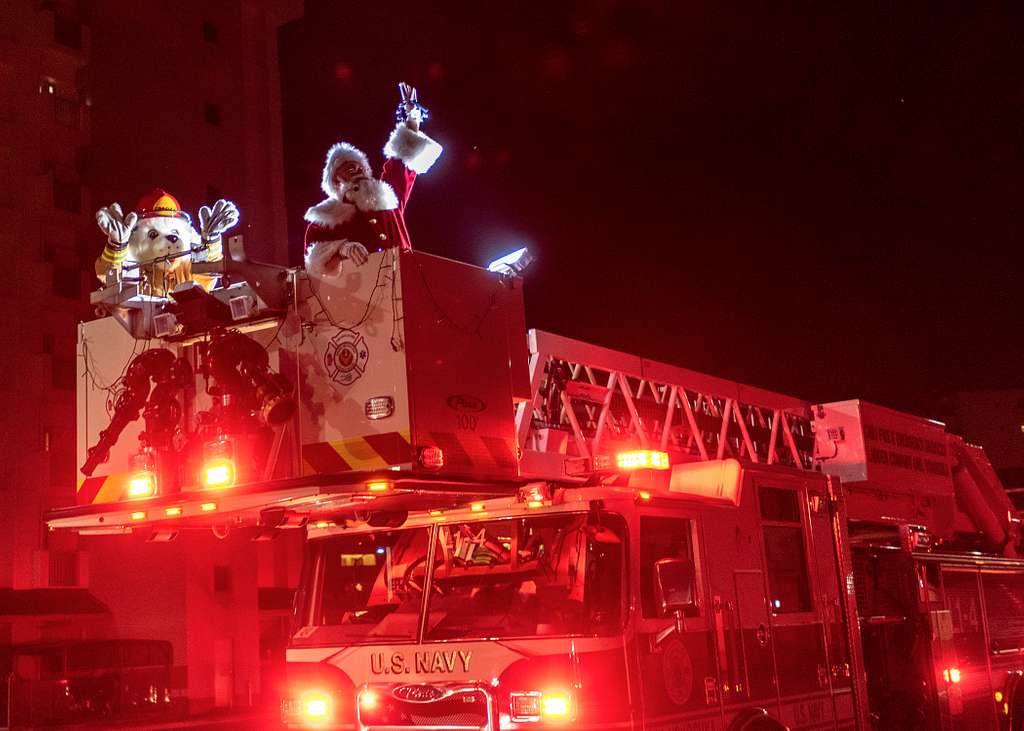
510	529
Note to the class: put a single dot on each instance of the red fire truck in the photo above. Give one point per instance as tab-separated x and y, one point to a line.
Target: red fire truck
511	529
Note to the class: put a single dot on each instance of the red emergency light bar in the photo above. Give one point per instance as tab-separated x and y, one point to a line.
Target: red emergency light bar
642	459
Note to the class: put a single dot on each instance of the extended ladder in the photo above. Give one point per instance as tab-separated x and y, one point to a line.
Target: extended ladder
588	401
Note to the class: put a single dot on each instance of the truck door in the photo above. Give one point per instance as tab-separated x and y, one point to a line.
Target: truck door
794	601
679	678
836	671
755	635
962	592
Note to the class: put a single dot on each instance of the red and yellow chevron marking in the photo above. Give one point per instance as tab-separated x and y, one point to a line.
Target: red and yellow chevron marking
369	452
102	488
476	451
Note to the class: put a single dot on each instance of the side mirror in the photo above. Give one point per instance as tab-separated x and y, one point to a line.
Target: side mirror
675	585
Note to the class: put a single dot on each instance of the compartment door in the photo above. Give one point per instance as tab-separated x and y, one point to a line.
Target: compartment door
755	635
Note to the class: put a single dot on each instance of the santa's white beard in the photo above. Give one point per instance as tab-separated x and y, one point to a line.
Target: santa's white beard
369	194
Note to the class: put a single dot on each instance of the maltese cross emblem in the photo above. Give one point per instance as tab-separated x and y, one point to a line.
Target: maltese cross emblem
346	357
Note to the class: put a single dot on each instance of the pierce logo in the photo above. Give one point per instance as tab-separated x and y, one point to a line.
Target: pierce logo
465	403
346	357
418	693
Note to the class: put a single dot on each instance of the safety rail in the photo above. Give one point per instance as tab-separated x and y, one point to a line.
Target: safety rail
587	400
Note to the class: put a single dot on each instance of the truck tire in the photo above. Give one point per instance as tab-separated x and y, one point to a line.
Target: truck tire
756	719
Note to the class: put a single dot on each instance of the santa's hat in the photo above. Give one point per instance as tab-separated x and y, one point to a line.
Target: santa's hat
158	202
338	154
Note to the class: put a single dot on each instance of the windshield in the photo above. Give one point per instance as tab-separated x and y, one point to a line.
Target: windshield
521	577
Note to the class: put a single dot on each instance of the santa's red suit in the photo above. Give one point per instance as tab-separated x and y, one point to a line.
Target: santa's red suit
370	212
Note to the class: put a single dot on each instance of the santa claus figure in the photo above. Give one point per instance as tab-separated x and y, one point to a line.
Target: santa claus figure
361	213
158	243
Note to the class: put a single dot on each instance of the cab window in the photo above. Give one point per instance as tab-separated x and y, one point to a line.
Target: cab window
661	538
784	550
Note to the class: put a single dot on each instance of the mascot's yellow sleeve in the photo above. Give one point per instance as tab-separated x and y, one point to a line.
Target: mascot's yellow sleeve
113	257
214	252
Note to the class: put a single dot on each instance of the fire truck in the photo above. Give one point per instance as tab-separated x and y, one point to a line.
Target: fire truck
506	528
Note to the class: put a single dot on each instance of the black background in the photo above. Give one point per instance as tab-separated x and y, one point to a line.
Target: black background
820	201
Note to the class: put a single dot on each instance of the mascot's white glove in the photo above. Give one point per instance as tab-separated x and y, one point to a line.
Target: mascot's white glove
326	258
215	221
116	225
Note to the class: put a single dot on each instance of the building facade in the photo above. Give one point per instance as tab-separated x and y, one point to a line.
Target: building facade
100	102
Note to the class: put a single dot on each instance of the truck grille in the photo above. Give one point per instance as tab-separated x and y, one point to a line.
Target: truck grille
426	706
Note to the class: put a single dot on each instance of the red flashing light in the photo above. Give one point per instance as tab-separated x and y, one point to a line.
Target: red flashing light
368	700
432	457
316	707
142	484
219	473
951	675
552	706
380	486
642	459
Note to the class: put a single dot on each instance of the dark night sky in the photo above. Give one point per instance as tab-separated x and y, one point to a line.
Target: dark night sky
825	203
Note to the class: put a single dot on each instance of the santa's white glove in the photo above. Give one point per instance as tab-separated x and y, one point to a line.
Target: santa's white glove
215	221
410	110
326	258
115	224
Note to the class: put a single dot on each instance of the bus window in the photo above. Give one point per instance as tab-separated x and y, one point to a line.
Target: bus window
661	538
784	550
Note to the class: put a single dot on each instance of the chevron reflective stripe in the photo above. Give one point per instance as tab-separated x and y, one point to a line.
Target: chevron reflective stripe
465	450
102	488
369	452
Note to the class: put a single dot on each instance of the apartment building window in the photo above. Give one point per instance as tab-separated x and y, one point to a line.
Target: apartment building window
67	282
63	372
209	32
65	111
67	31
67	195
7	178
47	85
212	114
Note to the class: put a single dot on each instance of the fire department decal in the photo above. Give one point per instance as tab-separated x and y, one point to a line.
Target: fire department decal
677	672
346	357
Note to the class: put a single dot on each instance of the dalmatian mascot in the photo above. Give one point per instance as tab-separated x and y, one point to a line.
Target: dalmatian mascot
157	243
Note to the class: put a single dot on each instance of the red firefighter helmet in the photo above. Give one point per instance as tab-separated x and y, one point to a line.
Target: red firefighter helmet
158	202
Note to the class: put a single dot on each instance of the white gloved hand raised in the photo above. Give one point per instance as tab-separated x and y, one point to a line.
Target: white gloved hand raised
215	221
326	258
115	224
409	108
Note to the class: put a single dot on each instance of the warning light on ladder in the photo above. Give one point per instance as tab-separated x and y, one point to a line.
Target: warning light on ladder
642	459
